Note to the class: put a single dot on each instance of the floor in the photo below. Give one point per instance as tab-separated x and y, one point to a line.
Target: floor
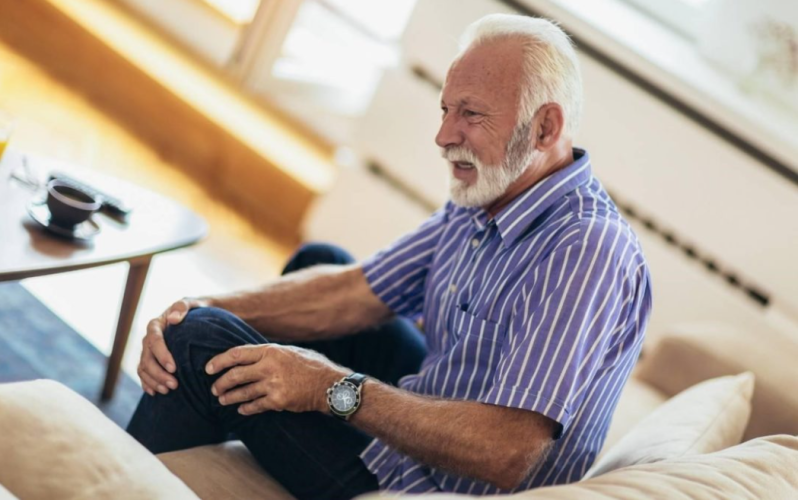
51	119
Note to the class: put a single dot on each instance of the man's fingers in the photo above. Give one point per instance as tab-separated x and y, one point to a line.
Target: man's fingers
240	355
260	405
148	383
234	377
242	394
154	369
155	342
177	311
176	314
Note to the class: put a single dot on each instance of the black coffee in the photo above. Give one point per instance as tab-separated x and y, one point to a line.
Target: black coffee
73	194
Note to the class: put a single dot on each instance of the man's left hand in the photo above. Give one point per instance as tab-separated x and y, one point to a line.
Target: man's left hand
273	377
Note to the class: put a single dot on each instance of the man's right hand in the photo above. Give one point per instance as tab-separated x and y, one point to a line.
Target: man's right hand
157	364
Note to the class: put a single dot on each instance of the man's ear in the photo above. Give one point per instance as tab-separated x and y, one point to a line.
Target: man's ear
549	124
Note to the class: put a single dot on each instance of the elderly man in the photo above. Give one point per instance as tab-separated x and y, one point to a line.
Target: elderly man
534	296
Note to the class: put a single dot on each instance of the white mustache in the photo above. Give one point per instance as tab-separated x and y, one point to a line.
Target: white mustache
461	155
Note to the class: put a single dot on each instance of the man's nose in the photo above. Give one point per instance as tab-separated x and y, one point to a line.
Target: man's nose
448	134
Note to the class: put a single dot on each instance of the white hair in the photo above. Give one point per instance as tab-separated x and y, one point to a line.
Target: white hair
551	68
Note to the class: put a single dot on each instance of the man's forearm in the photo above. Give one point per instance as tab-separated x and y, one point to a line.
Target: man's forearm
320	302
486	442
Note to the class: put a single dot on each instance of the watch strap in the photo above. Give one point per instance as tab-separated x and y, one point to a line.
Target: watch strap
356	378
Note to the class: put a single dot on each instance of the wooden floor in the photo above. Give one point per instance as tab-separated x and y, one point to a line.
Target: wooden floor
53	120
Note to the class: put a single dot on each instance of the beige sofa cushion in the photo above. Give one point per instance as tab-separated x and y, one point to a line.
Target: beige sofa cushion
222	472
691	353
764	468
708	417
55	444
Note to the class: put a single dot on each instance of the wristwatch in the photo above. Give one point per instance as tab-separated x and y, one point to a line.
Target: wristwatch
343	397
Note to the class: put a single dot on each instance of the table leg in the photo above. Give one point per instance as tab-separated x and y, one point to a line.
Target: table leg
136	277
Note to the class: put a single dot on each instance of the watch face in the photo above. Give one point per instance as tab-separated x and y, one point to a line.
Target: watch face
343	398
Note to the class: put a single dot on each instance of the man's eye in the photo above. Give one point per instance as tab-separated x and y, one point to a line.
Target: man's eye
444	110
468	113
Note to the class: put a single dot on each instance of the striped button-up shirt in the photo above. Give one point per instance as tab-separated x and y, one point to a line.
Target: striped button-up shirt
542	307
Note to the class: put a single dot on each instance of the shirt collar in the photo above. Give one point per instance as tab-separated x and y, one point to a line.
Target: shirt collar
515	218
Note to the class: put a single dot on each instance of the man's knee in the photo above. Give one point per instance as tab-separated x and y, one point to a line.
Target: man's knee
198	326
311	254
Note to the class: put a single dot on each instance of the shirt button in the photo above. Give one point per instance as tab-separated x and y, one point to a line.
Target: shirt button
475	243
453	288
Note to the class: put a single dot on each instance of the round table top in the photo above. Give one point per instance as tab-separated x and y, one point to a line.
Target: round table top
156	224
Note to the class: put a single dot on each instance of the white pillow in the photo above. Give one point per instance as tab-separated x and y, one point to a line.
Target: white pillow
707	417
638	400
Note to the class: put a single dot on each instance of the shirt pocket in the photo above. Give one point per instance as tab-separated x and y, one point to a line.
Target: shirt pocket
467	367
466	324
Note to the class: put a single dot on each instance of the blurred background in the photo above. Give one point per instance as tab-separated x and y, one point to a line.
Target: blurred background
283	121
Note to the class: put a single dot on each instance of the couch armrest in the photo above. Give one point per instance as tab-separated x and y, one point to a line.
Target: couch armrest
56	444
689	354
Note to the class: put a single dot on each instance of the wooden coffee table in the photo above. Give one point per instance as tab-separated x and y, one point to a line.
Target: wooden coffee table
155	225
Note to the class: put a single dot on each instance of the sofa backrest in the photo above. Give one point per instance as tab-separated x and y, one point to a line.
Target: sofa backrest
690	354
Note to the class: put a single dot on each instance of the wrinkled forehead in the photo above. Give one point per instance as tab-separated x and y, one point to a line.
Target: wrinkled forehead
490	72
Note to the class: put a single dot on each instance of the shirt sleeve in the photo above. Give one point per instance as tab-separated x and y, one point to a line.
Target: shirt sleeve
397	274
559	337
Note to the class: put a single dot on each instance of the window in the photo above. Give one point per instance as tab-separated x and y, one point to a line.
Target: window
239	11
332	59
211	29
319	60
341	47
683	16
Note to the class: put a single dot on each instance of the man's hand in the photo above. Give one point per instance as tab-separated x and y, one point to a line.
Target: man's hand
274	377
157	364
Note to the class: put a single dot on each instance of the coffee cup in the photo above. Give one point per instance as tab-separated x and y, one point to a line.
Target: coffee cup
68	205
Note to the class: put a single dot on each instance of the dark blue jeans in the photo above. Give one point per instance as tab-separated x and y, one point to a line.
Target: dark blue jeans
311	454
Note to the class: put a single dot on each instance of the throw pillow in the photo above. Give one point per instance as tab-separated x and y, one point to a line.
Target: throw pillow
707	417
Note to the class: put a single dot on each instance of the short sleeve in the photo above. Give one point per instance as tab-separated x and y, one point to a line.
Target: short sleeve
574	302
397	274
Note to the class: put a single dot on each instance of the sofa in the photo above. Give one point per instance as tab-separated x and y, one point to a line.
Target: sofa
55	444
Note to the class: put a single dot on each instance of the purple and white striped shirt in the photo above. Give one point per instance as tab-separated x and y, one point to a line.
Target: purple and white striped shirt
542	307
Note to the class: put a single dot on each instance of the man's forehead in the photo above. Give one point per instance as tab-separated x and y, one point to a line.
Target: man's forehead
463	97
484	73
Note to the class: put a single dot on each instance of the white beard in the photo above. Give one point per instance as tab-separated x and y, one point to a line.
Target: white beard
492	180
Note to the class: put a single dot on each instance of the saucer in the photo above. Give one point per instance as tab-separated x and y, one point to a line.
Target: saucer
84	231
